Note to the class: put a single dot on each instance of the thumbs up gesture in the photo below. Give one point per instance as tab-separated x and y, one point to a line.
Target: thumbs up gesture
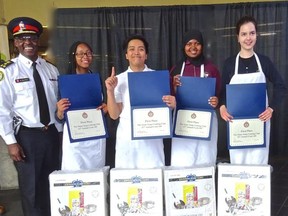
112	81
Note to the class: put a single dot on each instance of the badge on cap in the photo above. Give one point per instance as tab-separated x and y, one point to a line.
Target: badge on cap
21	26
25	25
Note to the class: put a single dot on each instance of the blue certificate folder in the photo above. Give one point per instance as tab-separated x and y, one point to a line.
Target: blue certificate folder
84	92
146	90
246	101
193	94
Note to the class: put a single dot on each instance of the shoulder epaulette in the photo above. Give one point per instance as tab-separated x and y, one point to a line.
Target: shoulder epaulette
50	62
6	64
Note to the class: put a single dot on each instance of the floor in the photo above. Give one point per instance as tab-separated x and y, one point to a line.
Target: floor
279	192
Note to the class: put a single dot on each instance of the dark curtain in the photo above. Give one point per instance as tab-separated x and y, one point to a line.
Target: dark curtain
106	28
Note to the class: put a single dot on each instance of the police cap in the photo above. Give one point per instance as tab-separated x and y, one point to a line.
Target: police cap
25	25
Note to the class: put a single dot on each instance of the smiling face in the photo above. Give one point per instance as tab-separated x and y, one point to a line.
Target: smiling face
247	36
136	54
83	57
27	45
193	48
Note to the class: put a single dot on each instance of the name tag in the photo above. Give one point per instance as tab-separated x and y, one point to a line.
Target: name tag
22	80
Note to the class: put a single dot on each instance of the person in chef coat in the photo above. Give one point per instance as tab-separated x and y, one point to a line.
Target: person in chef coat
187	151
130	153
88	154
251	67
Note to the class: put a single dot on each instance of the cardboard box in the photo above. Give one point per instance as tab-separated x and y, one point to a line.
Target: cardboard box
136	192
244	190
78	193
190	191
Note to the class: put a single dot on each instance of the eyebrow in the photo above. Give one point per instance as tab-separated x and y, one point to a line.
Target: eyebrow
136	46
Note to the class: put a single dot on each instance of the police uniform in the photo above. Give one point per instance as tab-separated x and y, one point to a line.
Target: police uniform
40	143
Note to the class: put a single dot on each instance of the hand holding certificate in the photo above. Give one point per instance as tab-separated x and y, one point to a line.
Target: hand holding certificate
151	118
194	114
83	119
245	102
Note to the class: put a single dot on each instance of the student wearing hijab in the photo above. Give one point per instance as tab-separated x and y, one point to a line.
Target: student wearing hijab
191	152
251	67
89	154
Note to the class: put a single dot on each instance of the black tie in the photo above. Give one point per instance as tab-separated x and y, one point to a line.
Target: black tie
43	105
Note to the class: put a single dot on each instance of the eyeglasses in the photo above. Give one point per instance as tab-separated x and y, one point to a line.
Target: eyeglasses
81	54
23	38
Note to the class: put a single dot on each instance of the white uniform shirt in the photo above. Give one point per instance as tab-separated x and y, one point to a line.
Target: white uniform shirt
18	96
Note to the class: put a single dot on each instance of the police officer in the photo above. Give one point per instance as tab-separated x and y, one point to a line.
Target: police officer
33	144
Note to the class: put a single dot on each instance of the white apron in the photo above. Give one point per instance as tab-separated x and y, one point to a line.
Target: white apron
251	155
84	155
193	152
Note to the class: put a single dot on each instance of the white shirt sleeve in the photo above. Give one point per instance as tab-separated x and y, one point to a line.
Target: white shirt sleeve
6	101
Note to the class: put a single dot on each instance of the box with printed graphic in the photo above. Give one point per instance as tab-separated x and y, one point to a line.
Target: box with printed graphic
244	190
190	191
78	193
136	192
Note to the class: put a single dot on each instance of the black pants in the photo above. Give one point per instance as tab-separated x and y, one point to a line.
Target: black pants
42	157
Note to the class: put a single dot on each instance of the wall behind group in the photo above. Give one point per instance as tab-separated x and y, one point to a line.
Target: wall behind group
43	10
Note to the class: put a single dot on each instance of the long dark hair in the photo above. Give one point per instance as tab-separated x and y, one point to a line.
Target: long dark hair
71	56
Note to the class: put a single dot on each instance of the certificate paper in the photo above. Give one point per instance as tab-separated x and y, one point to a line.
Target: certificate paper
85	123
150	116
193	117
85	95
193	123
245	102
246	132
151	122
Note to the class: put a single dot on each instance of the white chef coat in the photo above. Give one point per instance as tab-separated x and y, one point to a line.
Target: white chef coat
130	153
